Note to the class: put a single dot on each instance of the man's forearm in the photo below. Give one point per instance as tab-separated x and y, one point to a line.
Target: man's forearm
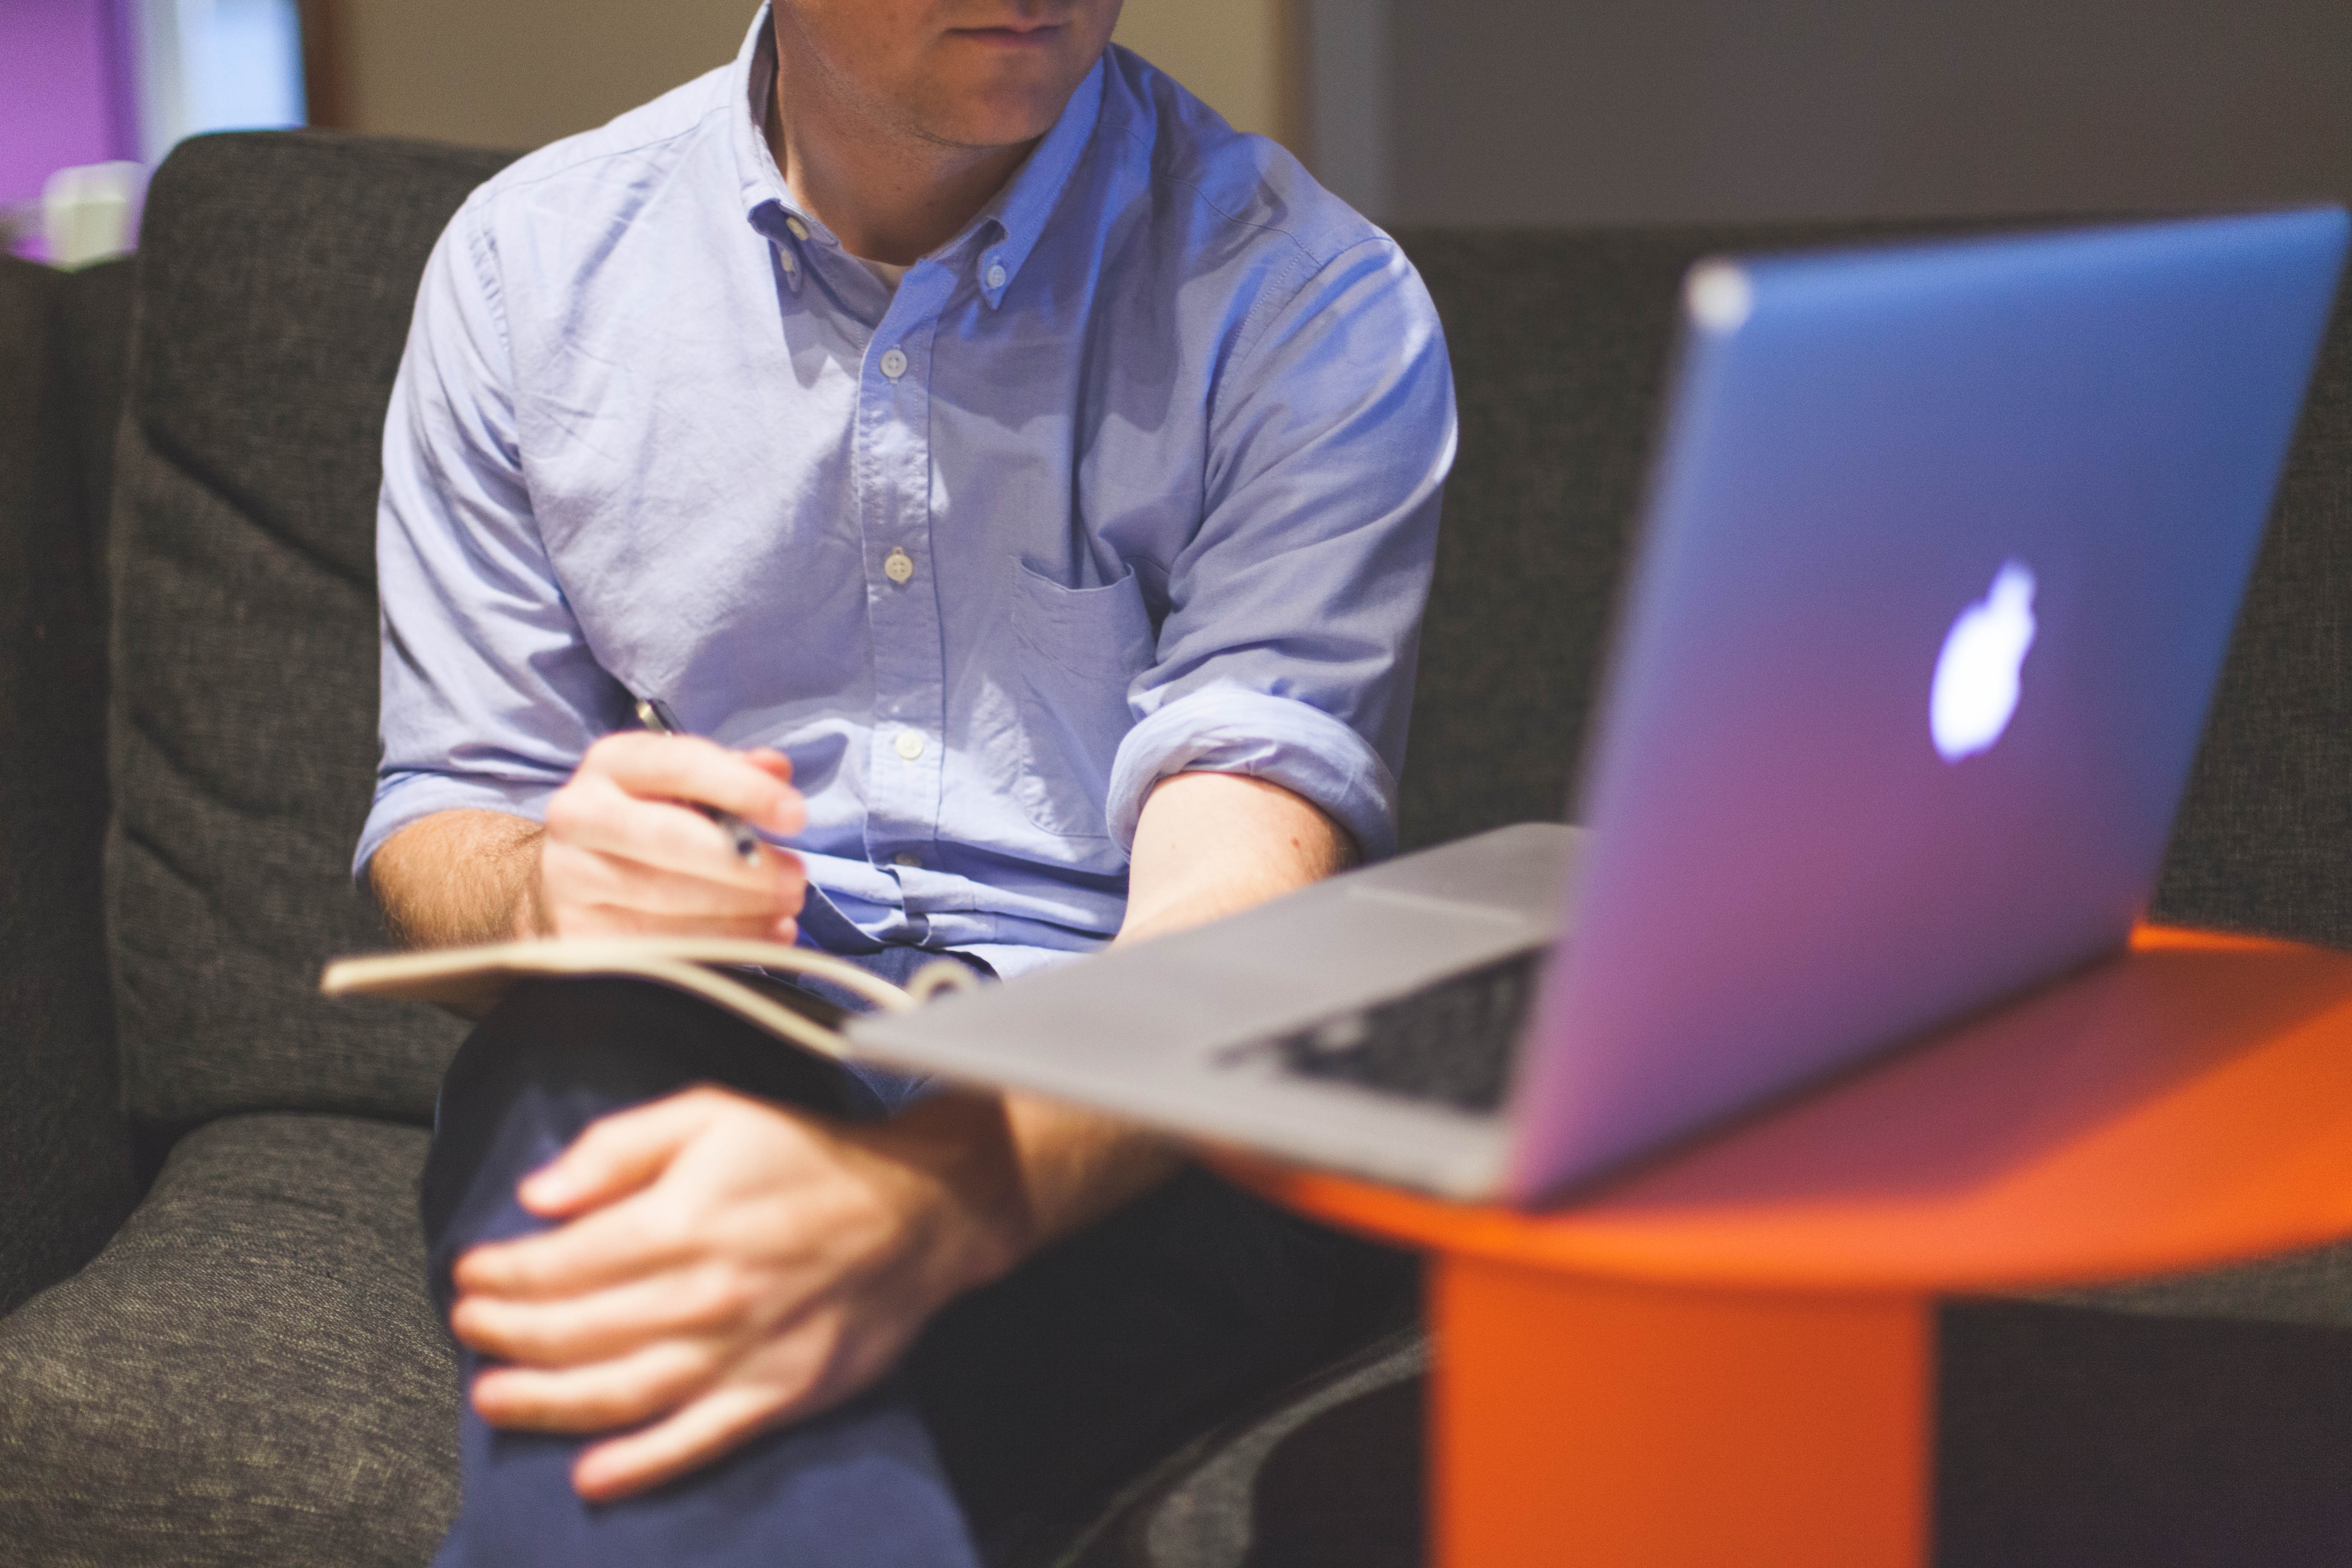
1209	844
1017	1173
459	877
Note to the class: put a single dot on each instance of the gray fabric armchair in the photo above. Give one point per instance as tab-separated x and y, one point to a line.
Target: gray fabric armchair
214	1344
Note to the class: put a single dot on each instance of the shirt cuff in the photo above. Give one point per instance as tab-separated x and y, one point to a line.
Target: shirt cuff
410	798
1278	739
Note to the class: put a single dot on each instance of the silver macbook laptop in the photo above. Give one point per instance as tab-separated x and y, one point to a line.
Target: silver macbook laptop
1942	551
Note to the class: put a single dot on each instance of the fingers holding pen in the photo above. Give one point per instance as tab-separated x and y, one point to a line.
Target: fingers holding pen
626	850
589	894
648	840
755	785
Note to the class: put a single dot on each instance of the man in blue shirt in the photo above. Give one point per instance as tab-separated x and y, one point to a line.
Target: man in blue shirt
1025	487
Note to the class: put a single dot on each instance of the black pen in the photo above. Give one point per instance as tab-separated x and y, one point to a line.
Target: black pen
654	715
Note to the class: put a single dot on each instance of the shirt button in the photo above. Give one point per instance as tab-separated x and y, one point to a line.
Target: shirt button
907	859
898	566
910	744
996	275
800	229
894	363
792	265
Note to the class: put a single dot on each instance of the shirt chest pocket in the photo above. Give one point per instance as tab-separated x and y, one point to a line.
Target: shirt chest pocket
1077	650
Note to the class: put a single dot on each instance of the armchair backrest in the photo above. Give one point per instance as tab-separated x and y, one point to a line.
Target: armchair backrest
276	280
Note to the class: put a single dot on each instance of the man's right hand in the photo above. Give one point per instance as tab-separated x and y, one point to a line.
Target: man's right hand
625	853
620	854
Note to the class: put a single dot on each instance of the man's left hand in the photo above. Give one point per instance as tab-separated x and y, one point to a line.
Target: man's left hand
727	1266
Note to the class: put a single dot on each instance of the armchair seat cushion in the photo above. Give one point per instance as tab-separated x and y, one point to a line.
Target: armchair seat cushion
1327	1470
250	1372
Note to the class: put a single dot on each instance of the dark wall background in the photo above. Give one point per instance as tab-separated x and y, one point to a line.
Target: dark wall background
1542	112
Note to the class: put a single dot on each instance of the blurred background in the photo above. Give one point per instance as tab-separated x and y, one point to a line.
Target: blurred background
1461	111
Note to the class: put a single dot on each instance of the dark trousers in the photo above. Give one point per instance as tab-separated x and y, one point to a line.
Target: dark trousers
1018	1402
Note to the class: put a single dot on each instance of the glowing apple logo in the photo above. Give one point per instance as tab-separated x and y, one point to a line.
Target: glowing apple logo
1976	675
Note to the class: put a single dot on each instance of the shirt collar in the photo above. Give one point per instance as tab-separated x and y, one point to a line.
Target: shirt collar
768	202
1018	214
1008	228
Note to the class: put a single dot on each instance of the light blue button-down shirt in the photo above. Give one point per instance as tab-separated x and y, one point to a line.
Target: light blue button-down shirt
1139	473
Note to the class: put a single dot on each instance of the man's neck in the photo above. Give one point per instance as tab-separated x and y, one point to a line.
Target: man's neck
887	193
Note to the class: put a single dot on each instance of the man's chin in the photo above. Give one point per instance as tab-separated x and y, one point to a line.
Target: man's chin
985	133
997	108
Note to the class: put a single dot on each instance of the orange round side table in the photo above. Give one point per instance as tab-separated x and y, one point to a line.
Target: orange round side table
1726	1358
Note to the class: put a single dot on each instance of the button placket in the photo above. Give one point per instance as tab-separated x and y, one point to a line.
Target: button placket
908	756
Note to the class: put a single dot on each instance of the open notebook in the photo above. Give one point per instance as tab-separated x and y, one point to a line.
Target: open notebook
743	977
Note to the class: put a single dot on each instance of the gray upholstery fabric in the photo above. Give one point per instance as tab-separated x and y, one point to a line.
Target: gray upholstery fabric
2103	1439
2312	1288
1329	1472
2199	1418
2188	1419
250	1374
65	1160
278	276
95	306
2264	840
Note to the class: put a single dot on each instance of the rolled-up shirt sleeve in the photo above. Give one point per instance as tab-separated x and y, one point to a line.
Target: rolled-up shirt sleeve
490	693
1287	649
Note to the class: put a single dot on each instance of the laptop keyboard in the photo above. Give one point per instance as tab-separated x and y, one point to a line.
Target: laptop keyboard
1452	1043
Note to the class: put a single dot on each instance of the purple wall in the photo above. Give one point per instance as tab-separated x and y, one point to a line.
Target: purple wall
66	94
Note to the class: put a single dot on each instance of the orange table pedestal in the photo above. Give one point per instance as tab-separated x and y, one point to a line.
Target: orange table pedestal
1601	1422
1727	1357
